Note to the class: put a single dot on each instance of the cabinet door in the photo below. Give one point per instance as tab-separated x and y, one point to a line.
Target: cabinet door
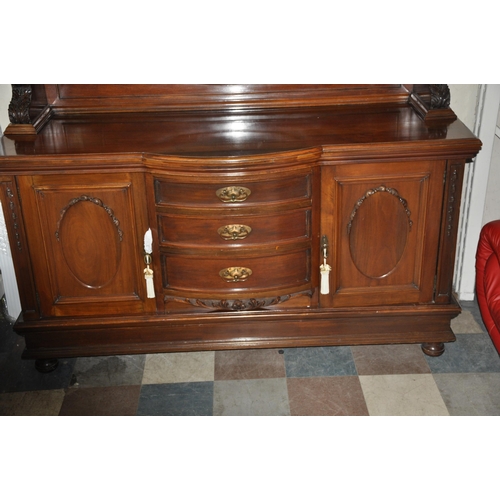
382	221
85	234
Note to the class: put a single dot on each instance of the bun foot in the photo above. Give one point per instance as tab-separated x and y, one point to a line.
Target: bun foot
46	365
433	349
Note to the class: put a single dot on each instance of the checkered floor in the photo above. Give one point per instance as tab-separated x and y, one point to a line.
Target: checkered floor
358	380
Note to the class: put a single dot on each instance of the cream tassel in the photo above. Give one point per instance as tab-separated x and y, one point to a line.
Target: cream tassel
148	273
325	278
150	289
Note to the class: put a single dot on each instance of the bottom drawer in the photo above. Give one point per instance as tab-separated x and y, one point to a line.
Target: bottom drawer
194	276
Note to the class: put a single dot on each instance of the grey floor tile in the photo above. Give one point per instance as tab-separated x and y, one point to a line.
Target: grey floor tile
466	323
103	371
319	362
18	375
472	307
249	364
259	397
470	394
470	353
179	399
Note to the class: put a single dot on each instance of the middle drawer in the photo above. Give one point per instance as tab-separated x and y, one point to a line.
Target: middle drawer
234	230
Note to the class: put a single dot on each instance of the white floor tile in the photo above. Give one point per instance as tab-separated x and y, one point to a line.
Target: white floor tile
408	395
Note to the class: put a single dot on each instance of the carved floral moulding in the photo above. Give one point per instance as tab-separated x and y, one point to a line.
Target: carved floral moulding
95	201
235	304
451	209
11	214
371	192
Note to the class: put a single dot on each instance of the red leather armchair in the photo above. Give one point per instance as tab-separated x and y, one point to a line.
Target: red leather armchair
488	279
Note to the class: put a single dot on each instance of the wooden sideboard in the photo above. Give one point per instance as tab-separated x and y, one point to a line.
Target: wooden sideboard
280	216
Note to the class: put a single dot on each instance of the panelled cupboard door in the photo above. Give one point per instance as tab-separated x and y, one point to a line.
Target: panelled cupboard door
382	221
85	233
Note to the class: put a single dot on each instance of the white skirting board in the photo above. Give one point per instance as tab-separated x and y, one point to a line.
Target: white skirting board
8	272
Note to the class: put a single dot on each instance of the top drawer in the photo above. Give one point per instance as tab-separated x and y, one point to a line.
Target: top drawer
232	191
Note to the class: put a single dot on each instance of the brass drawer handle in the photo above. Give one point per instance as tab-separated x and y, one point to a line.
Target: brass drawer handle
235	274
234	232
233	194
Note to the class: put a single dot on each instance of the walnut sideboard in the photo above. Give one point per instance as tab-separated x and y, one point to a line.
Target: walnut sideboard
279	216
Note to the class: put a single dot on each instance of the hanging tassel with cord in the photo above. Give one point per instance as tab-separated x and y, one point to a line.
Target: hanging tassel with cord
325	268
148	272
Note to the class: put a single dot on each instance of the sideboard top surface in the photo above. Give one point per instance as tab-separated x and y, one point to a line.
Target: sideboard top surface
221	121
233	134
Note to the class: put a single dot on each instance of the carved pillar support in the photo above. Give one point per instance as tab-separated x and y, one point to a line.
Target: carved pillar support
19	111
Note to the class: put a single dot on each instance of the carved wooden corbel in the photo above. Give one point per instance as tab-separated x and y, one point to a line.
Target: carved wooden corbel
19	111
432	103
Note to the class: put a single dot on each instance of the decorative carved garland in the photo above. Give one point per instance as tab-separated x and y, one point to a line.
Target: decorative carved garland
371	192
450	212
12	207
97	202
235	304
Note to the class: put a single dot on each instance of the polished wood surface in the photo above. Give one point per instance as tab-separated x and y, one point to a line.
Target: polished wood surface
247	190
384	231
342	132
87	232
107	98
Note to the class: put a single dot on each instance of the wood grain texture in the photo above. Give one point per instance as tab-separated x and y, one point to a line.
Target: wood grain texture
376	170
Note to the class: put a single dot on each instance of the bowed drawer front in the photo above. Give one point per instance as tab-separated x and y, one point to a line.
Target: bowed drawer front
234	230
266	273
235	189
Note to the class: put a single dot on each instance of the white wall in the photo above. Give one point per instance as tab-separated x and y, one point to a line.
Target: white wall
9	285
5	93
492	205
464	102
477	193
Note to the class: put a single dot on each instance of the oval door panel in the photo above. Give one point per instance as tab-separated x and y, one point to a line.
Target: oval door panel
90	240
378	232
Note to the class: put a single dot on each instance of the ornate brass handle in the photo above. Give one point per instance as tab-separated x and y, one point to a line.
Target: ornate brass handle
233	194
234	232
235	274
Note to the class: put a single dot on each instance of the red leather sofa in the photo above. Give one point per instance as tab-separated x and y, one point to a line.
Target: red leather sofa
488	279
